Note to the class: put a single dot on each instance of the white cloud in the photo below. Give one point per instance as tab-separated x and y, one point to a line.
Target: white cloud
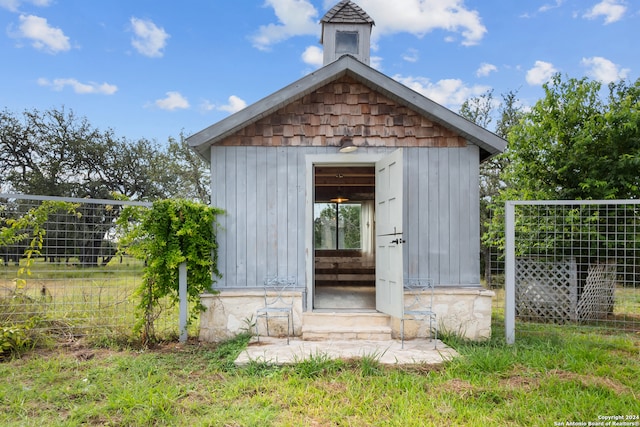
612	10
234	105
540	73
603	70
11	5
14	5
411	55
485	69
548	6
42	36
78	87
173	101
448	92
149	39
313	55
418	17
295	18
376	62
207	106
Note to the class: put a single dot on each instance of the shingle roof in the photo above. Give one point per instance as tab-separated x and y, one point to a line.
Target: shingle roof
347	12
347	65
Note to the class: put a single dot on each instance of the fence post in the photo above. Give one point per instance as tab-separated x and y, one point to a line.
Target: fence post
182	294
510	272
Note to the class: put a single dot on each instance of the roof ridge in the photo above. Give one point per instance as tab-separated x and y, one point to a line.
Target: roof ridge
347	11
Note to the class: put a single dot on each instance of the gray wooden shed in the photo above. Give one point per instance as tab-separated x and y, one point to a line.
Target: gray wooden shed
277	165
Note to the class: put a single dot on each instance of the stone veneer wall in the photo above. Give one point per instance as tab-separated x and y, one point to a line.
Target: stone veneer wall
230	312
462	311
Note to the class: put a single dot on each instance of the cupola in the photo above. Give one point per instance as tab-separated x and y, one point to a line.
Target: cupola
346	30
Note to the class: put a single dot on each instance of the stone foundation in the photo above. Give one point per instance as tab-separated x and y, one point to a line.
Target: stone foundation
229	313
465	312
461	311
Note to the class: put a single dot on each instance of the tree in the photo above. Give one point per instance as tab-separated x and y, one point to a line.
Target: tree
480	110
57	153
38	154
190	172
338	227
575	145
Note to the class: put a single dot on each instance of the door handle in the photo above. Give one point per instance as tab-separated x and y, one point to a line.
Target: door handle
398	241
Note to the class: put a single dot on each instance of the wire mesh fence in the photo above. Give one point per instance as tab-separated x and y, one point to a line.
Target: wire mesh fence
572	262
568	262
72	280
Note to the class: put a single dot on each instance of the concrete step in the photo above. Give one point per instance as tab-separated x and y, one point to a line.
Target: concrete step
380	334
318	326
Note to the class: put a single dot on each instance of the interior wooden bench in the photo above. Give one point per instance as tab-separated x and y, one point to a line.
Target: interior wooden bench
343	268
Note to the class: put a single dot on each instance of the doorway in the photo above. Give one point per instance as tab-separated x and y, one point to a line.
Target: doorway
343	237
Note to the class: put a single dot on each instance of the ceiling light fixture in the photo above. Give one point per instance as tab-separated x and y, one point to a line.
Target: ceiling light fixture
340	197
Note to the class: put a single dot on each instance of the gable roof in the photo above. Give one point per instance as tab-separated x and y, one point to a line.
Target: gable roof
347	12
488	142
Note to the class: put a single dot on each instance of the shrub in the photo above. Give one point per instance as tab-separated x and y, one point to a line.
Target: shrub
14	340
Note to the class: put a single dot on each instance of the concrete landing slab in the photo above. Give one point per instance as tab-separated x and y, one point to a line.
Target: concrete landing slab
276	351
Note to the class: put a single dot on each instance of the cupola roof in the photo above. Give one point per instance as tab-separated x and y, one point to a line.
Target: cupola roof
347	12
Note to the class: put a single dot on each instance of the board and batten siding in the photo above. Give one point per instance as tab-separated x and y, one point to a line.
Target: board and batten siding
442	210
262	189
262	233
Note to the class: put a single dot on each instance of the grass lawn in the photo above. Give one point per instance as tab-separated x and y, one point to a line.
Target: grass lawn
556	376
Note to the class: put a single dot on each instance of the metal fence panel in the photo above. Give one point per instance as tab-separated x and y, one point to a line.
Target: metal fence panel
569	262
76	283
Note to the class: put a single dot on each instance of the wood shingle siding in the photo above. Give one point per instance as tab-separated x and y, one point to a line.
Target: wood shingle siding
345	108
323	107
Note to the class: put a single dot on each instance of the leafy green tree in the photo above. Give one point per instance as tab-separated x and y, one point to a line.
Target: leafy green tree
324	226
57	153
481	110
575	144
350	216
190	173
343	219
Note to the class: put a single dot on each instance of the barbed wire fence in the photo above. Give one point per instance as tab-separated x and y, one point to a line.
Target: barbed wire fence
77	284
568	262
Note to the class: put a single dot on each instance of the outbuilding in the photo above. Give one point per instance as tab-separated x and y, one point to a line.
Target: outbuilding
348	182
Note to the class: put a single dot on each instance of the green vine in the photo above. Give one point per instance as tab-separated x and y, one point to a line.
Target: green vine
168	234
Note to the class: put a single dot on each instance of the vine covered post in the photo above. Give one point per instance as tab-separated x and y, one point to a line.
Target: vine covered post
171	233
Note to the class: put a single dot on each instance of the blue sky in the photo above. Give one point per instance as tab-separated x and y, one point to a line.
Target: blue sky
151	68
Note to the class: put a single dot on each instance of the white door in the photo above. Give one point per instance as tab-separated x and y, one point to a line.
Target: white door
389	237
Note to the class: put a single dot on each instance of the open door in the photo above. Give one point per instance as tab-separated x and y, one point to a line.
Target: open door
389	238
